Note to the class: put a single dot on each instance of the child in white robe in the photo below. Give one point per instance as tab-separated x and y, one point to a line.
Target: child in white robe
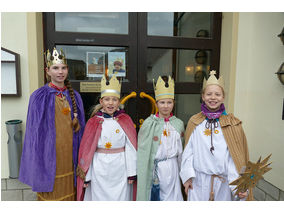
112	170
216	149
160	142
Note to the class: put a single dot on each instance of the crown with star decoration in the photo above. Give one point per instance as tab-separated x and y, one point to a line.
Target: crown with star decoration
164	89
111	87
55	57
212	80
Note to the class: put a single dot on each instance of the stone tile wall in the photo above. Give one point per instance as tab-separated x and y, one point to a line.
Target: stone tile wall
265	191
14	190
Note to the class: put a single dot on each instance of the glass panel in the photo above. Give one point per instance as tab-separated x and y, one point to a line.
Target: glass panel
180	24
115	23
187	105
185	65
6	56
8	78
160	24
92	62
89	101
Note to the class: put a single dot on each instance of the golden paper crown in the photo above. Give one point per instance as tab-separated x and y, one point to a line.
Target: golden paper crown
164	89
213	80
55	58
111	87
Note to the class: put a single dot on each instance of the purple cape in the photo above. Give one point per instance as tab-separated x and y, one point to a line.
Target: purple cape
38	161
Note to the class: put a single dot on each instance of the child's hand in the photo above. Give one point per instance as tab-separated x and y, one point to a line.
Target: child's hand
130	181
188	185
242	195
85	185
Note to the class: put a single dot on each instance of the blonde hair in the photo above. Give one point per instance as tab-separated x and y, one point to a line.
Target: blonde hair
203	90
94	109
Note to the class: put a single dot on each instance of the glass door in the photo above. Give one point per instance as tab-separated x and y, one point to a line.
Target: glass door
185	46
138	47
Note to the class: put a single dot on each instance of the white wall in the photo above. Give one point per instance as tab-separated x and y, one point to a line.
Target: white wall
14	37
259	95
228	56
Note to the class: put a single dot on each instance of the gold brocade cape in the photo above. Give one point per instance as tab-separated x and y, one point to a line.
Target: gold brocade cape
234	135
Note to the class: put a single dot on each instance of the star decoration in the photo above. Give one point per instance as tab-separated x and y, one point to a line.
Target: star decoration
166	133
252	174
207	132
66	110
108	145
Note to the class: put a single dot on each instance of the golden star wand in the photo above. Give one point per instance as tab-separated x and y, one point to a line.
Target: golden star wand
252	174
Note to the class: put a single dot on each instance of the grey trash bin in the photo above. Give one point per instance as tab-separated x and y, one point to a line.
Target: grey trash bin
14	130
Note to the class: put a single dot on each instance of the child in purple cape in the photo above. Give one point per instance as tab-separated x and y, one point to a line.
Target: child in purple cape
55	125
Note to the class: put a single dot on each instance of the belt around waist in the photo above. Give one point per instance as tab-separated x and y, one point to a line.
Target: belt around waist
110	151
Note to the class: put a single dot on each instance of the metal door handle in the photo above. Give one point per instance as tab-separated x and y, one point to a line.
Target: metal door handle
131	95
141	122
126	98
152	100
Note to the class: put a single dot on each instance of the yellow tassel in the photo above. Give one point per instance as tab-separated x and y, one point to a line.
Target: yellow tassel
80	173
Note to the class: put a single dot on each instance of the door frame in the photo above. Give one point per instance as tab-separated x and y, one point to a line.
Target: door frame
137	41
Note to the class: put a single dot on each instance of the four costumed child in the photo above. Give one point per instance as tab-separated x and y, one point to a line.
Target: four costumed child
55	125
160	142
107	155
215	145
215	149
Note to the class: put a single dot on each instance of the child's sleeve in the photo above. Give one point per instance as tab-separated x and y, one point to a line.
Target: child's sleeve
232	175
88	175
131	158
187	170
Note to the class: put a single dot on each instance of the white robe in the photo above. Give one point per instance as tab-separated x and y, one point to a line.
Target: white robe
168	171
108	173
199	164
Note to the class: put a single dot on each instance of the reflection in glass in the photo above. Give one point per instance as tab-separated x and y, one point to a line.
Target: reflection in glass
160	24
186	105
184	65
114	23
180	24
92	62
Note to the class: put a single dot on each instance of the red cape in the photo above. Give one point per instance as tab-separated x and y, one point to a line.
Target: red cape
89	144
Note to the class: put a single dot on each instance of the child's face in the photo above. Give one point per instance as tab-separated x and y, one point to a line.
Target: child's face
117	67
110	104
213	97
58	73
165	107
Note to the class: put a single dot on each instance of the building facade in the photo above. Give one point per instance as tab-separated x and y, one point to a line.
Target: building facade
242	47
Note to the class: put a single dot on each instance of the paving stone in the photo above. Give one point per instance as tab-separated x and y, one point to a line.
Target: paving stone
281	195
3	184
269	198
16	184
258	194
29	195
12	195
269	189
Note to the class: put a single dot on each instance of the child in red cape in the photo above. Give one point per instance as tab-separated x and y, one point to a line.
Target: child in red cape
107	154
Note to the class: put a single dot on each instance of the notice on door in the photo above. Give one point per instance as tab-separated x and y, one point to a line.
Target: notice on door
90	86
